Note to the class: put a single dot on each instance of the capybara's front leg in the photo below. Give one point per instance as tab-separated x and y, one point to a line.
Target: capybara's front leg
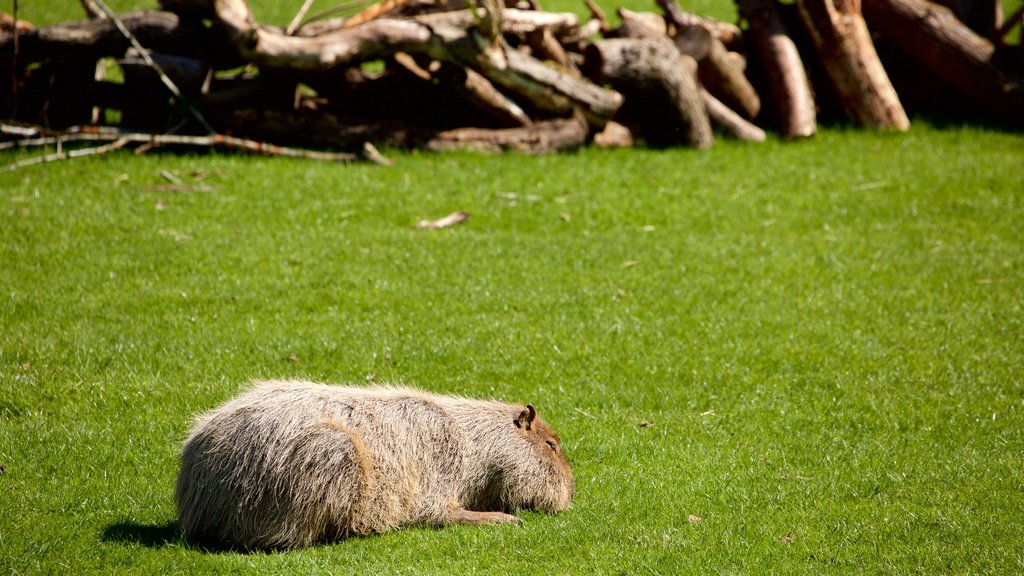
463	516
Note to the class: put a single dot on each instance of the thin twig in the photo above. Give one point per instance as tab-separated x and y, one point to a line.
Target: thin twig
373	12
92	11
294	25
598	13
152	64
62	155
332	11
51	140
120	139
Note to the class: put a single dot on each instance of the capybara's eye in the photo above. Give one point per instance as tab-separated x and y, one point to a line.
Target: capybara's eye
553	445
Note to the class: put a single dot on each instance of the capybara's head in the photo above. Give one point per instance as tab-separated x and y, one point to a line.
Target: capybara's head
543	480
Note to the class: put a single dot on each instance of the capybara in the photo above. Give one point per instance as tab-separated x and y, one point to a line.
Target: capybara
293	463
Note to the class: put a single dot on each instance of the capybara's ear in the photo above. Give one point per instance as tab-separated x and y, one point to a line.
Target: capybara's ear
525	418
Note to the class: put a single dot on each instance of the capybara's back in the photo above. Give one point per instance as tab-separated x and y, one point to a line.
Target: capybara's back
292	463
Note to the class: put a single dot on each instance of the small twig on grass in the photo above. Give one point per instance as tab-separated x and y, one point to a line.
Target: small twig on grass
213	140
170	177
371	154
62	155
449	220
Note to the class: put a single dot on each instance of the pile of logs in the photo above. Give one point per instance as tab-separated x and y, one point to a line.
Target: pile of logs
500	75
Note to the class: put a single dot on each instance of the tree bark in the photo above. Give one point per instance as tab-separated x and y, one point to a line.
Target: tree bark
162	32
791	90
650	64
547	88
512	21
725	118
722	75
848	55
934	37
484	96
538	138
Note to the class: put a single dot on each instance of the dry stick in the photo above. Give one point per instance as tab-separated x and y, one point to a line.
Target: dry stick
331	12
596	11
150	145
92	11
61	155
152	64
214	140
294	25
372	12
728	119
50	140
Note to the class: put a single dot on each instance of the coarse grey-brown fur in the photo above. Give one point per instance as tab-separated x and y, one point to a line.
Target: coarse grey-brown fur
292	463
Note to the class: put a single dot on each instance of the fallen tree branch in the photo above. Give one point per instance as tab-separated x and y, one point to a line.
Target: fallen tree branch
787	77
852	64
547	88
933	36
718	72
653	65
121	139
538	138
727	119
163	32
68	154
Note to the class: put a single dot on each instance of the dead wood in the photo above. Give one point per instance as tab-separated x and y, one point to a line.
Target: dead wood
446	222
654	66
848	55
729	34
545	46
321	129
787	79
479	92
614	135
725	118
121	139
539	138
545	87
163	32
931	35
513	21
374	11
491	76
722	75
597	14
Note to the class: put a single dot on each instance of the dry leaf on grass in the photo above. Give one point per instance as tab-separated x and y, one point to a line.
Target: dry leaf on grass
449	220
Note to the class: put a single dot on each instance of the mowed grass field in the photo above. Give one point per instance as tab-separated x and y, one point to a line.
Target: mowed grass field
786	358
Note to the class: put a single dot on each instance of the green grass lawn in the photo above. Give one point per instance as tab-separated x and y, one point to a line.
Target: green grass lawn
788	358
814	349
